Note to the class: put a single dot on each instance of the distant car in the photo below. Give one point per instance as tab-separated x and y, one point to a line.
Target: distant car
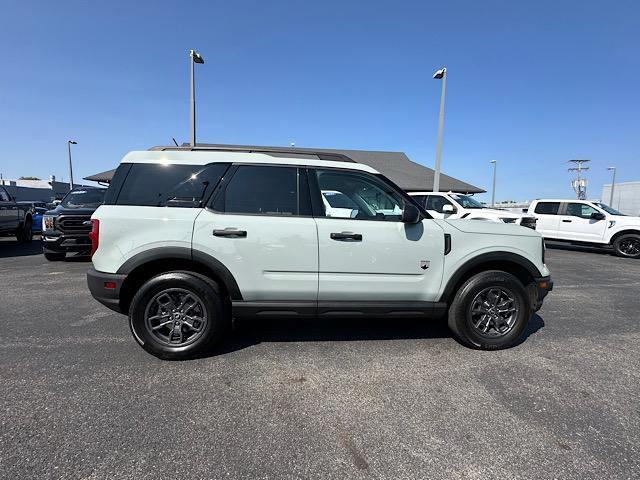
15	218
37	211
66	228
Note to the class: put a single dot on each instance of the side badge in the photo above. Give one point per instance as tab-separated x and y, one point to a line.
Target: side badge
424	264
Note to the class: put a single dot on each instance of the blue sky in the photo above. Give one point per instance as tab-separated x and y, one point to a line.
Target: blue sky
531	84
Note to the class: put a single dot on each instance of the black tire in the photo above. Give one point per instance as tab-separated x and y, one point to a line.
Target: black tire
627	245
54	256
25	233
460	312
211	308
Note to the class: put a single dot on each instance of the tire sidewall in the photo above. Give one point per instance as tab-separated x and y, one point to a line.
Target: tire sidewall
460	318
616	245
205	291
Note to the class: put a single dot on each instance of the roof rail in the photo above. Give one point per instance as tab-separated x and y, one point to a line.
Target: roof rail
286	152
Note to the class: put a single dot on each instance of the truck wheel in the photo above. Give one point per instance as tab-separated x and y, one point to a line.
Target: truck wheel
25	234
178	315
54	256
490	311
627	245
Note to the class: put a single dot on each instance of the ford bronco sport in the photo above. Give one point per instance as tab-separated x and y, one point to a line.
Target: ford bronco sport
188	239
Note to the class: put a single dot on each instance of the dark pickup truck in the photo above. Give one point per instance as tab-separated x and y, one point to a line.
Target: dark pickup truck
66	228
15	218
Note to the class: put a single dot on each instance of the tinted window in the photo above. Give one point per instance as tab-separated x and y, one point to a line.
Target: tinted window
116	183
436	202
169	185
89	198
420	199
547	208
263	190
581	210
4	196
370	198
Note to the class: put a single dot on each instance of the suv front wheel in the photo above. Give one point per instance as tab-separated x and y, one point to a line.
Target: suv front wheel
178	315
490	311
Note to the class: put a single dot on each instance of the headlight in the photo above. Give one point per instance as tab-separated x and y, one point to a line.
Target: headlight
509	220
47	222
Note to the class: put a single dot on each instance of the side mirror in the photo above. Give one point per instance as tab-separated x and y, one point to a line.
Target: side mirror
597	216
410	214
448	209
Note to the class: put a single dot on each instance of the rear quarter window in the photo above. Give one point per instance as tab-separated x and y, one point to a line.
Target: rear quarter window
162	185
547	208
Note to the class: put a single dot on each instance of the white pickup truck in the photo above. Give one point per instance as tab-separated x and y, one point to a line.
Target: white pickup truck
454	205
586	222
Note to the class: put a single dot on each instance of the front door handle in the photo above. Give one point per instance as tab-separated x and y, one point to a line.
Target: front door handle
346	237
567	221
230	233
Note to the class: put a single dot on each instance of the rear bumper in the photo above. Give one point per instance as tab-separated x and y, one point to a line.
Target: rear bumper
538	290
105	288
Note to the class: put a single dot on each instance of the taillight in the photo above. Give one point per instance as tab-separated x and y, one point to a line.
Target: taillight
94	235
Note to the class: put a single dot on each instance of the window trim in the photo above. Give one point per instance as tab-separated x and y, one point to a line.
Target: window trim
224	182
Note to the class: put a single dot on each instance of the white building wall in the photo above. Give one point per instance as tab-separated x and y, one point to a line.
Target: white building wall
626	197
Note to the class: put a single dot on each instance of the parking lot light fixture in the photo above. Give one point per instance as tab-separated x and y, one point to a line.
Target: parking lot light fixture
194	57
439	75
613	184
69	143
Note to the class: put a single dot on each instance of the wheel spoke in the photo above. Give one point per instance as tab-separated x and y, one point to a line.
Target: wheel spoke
160	325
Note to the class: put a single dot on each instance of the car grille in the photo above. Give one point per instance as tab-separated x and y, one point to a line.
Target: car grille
73	223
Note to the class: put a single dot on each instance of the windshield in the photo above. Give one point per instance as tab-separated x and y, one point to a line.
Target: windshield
608	209
467	202
89	198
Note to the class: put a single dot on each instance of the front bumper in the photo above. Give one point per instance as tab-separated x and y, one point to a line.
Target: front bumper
105	288
538	290
59	242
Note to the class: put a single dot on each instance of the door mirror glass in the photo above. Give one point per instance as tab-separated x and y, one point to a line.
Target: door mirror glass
410	214
597	216
448	208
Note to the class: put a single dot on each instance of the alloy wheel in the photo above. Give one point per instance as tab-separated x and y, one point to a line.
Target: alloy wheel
494	311
630	246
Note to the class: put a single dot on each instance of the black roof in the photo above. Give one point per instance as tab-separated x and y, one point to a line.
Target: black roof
397	166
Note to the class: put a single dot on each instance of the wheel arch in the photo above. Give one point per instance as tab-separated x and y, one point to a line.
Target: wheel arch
626	231
150	263
522	268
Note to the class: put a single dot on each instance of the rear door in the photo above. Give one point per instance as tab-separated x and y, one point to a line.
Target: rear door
259	225
370	255
8	214
576	223
547	219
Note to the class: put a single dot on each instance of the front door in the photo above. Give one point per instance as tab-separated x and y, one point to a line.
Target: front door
577	224
260	227
369	254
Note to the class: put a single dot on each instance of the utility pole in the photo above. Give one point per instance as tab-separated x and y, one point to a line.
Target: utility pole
439	75
194	57
493	192
613	184
579	184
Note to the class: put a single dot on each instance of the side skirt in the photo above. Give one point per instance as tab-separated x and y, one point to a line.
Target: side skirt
325	309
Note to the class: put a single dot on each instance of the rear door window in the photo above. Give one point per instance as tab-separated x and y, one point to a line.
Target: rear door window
547	208
168	185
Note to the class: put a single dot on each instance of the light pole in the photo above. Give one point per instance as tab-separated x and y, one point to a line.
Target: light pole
69	143
439	75
194	57
493	191
613	184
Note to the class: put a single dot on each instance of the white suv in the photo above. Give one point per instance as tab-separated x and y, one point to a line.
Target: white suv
585	222
188	239
455	205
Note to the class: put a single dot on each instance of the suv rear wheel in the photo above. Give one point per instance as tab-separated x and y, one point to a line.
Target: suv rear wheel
490	311
627	245
178	315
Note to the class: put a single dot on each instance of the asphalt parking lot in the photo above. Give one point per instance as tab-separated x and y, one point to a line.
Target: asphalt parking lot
339	399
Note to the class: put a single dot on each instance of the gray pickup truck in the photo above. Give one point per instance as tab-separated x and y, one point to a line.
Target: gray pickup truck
15	218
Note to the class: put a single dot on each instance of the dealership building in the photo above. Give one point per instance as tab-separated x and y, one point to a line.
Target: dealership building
410	176
626	197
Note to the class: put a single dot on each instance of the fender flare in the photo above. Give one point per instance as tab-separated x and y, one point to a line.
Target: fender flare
184	253
488	257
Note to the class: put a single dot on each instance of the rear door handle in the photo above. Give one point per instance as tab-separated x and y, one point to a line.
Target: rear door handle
346	237
230	233
567	221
